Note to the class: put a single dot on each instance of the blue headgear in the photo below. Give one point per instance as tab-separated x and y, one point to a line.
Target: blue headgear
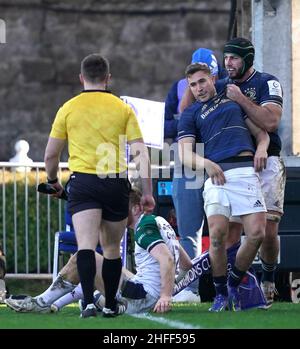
204	55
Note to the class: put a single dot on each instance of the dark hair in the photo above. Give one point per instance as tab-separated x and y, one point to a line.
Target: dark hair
195	67
94	68
243	48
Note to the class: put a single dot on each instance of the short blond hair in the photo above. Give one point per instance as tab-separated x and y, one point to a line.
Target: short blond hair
135	196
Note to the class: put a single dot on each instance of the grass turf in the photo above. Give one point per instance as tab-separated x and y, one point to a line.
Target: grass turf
195	316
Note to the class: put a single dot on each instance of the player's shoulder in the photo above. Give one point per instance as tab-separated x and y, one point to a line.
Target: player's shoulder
161	222
221	84
147	233
147	222
149	218
265	77
271	88
116	100
70	102
154	223
192	109
166	231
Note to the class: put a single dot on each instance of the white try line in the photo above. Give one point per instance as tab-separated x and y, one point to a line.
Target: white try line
171	323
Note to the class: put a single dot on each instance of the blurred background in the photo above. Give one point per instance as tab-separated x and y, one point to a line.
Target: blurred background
149	43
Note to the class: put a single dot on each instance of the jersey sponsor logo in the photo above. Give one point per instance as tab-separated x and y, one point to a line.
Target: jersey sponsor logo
167	230
274	88
204	108
250	93
216	103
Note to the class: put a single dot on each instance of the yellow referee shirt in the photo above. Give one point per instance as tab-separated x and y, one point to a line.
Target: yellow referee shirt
97	126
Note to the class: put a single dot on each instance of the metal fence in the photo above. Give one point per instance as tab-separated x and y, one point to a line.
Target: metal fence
27	219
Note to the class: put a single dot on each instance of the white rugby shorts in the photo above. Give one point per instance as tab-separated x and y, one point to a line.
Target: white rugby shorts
135	306
240	195
273	180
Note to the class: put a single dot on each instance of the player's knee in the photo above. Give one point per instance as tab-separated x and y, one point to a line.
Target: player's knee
217	233
256	236
111	251
217	243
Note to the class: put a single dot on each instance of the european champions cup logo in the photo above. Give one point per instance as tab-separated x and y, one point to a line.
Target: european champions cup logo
2	32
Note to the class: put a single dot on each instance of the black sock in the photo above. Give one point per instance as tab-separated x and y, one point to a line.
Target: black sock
111	273
268	271
235	276
220	283
86	265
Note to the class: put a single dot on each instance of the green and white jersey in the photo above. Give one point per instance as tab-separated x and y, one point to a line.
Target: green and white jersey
150	231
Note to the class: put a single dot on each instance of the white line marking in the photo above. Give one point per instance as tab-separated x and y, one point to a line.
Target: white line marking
171	323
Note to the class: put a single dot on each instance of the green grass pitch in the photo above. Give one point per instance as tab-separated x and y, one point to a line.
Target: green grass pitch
183	316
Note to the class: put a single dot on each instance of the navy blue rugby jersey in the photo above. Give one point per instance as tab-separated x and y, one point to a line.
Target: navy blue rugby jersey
260	88
220	125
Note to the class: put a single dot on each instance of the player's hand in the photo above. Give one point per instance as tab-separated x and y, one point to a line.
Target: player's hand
260	160
59	188
163	305
215	172
148	203
233	92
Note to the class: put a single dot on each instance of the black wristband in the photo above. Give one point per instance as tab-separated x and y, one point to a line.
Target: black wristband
52	181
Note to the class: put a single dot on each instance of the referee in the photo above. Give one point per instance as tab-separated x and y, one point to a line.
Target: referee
97	125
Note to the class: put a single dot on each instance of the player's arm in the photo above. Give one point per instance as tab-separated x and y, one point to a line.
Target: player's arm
141	159
196	162
185	262
140	155
262	144
167	275
265	116
52	156
170	124
186	100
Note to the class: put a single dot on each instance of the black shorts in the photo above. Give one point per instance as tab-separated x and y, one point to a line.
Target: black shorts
132	290
88	191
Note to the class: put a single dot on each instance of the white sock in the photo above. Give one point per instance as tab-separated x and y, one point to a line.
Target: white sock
57	289
70	297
